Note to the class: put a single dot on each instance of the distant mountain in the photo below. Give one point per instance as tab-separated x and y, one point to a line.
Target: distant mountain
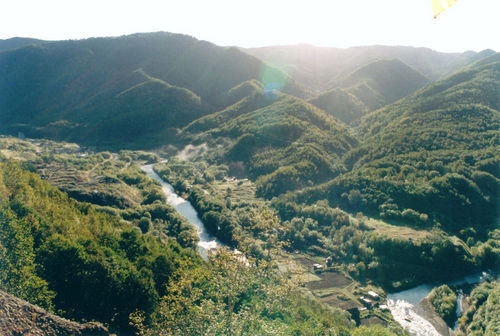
17	42
131	91
368	88
321	68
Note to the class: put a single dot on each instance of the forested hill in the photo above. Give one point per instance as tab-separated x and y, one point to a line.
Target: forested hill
321	68
17	42
282	141
430	158
393	79
101	91
370	87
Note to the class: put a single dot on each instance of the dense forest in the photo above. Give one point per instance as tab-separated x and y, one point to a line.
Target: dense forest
381	165
370	87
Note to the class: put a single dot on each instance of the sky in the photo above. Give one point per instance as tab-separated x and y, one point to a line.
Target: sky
467	25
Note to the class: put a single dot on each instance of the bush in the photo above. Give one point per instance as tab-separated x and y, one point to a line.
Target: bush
444	301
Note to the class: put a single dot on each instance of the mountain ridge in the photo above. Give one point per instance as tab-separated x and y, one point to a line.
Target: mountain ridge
369	87
57	82
320	68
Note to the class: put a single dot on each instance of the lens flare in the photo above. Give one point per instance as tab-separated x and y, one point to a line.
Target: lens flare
273	79
439	6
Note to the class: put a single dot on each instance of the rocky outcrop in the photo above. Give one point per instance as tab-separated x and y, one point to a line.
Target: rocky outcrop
427	311
18	317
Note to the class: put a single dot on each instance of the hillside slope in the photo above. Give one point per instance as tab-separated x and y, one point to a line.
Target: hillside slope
84	264
370	87
428	163
18	317
283	141
431	157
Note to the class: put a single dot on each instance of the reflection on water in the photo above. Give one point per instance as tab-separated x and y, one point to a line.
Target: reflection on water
207	241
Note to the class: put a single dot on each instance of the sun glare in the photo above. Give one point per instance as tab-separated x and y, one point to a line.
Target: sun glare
335	23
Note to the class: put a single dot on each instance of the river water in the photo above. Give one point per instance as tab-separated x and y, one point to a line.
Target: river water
207	241
403	305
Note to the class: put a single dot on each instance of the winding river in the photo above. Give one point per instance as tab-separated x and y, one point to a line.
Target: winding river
207	241
403	305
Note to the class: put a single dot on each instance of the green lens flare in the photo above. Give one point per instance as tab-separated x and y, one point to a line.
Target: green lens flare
274	80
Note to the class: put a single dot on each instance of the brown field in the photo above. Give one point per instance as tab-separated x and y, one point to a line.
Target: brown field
373	320
334	301
328	280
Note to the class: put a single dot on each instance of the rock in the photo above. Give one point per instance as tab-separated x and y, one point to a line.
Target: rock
18	317
427	311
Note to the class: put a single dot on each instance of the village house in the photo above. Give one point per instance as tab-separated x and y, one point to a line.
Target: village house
373	295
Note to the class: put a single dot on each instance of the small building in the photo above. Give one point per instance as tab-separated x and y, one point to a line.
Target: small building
383	307
373	295
366	302
317	267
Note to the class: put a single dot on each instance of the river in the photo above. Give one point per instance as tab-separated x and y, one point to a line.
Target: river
207	241
403	305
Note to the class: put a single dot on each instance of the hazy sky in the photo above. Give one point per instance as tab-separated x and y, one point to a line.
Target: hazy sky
468	25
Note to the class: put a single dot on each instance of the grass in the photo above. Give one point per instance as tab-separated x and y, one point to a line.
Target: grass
402	232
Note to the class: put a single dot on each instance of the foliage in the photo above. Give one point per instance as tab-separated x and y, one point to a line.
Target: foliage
84	264
341	104
370	87
254	301
430	159
286	142
482	317
444	300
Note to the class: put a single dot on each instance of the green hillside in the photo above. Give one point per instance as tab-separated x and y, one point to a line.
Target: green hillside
432	155
66	256
283	141
368	88
342	104
96	90
429	163
391	79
